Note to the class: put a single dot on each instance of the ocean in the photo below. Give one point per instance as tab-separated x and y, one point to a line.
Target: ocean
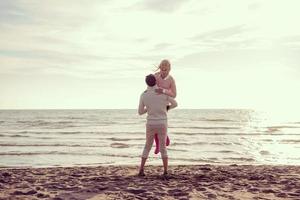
45	138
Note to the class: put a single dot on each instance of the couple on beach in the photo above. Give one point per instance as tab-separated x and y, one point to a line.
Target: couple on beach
156	101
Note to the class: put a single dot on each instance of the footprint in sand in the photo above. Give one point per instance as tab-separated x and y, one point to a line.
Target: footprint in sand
177	192
24	192
283	195
136	191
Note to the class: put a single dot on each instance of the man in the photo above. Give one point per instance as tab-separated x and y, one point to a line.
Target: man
156	106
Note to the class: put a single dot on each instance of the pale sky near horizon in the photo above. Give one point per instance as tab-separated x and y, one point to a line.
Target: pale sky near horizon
71	54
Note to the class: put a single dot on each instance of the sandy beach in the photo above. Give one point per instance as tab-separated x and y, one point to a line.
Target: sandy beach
122	182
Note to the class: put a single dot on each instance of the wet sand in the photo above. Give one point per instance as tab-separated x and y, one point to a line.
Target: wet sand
122	182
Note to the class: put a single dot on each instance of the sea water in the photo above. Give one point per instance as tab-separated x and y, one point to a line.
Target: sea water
42	138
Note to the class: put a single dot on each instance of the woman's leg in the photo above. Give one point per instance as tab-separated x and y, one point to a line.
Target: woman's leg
156	144
168	141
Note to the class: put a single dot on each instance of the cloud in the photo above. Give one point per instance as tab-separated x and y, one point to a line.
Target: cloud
229	38
243	37
78	65
223	33
160	5
254	6
229	60
292	42
68	14
162	46
12	13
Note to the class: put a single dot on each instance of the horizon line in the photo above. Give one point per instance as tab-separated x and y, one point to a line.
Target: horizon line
122	109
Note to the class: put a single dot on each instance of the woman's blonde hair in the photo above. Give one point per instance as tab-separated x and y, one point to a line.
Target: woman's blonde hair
164	62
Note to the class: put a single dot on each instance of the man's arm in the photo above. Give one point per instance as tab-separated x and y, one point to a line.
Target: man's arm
142	109
173	103
172	92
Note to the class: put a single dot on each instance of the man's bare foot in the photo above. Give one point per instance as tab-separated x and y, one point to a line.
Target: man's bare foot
141	173
165	176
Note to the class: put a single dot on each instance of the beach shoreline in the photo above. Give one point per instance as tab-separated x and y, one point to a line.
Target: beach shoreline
121	182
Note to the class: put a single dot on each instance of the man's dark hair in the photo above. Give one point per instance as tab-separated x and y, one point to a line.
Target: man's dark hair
150	80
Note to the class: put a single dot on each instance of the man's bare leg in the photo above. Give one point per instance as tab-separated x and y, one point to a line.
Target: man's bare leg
165	163
143	162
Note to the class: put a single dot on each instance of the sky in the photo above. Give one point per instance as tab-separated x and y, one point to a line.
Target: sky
77	54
